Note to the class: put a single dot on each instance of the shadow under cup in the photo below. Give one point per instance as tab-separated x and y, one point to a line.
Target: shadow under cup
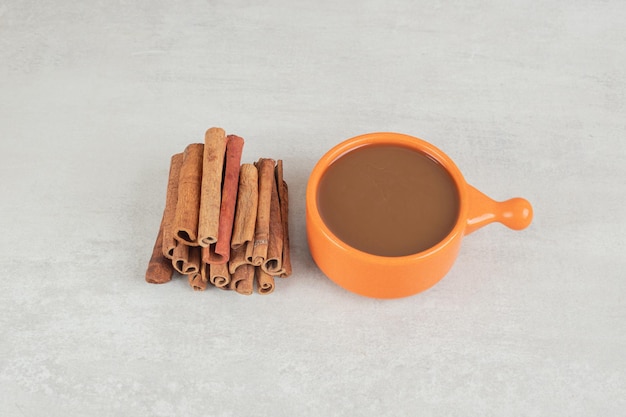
386	214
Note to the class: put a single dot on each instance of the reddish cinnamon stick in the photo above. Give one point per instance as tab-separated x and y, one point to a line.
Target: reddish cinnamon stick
262	226
283	196
212	169
169	243
188	203
234	149
159	267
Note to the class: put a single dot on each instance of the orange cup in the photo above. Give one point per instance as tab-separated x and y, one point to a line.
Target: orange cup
401	276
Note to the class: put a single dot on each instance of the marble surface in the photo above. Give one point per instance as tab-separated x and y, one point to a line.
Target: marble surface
528	98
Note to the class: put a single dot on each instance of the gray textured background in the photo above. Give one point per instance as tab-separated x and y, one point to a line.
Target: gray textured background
528	98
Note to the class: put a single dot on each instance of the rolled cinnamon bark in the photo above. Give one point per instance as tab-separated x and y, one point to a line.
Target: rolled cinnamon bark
204	272
159	267
238	257
234	149
283	196
169	243
235	278
273	261
264	281
180	258
219	275
212	167
192	264
188	203
250	252
265	167
196	282
243	279
209	256
247	204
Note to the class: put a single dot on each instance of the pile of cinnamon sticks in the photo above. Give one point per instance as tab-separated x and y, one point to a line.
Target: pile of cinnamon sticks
224	223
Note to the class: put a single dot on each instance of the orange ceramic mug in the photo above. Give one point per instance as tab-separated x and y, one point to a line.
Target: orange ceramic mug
392	277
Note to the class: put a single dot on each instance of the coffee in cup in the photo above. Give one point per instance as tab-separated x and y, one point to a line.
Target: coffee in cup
388	200
386	214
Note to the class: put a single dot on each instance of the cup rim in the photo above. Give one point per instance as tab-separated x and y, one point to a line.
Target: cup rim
396	139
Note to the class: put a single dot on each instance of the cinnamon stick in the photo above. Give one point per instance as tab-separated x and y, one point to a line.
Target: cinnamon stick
234	277
240	256
159	267
283	196
192	264
188	203
262	226
212	167
169	243
264	281
180	257
219	275
196	282
243	279
204	272
209	256
247	204
273	261
250	252
234	149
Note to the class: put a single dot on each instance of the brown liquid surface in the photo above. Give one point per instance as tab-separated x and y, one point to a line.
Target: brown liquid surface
388	200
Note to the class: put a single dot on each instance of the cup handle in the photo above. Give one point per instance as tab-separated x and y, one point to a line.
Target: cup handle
516	213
